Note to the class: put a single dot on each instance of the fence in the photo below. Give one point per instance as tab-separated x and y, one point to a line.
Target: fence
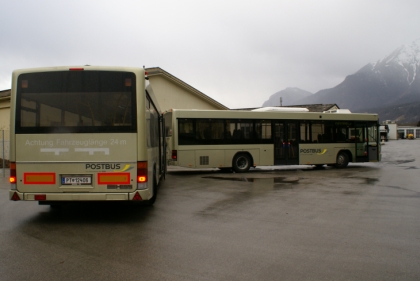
4	150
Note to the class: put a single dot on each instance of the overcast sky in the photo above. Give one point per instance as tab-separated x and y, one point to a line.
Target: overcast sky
237	52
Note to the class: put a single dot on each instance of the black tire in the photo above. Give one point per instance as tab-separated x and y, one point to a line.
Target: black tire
342	160
226	170
56	206
241	163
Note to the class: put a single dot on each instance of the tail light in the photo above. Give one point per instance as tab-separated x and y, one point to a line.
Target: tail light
174	155
142	175
40	197
12	177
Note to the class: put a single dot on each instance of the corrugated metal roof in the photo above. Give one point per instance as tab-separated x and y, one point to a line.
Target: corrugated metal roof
5	93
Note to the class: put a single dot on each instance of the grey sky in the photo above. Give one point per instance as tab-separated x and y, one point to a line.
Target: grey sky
237	52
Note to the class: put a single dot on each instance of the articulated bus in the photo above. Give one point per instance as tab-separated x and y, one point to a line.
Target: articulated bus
238	140
85	134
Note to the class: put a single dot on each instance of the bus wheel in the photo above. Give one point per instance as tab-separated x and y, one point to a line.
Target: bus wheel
342	160
241	163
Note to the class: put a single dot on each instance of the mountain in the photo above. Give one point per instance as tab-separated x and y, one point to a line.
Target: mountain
407	114
391	84
289	97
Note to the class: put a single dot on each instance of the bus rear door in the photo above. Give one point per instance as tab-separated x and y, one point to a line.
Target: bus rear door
285	143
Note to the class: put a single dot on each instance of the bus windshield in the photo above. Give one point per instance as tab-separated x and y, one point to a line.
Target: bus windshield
76	102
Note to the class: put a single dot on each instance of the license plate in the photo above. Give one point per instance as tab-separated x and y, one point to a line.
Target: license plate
76	180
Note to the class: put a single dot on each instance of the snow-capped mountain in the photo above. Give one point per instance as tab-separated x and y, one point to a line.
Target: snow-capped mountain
392	81
289	96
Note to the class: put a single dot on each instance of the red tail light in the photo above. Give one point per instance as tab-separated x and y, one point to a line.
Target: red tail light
142	172
174	154
12	177
40	197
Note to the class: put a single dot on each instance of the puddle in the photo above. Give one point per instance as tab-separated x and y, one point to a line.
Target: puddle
249	179
367	180
412	168
398	162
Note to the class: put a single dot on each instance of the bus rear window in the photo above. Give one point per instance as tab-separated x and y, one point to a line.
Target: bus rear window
79	101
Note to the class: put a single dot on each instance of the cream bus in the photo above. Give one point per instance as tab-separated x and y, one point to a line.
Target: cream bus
238	140
85	134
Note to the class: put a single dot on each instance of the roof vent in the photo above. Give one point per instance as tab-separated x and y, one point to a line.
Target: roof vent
282	109
337	111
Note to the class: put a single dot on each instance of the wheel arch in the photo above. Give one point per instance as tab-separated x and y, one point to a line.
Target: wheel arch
246	153
348	152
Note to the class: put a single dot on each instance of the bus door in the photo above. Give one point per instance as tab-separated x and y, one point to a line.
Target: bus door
285	143
360	138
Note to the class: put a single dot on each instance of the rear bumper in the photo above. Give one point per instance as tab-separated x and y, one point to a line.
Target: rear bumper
145	195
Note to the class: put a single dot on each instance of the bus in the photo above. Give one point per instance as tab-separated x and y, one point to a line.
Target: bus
241	139
85	133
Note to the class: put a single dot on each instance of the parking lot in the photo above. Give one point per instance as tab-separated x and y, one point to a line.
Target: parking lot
273	223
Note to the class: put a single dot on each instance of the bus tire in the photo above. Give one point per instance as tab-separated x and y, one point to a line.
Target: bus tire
241	163
342	160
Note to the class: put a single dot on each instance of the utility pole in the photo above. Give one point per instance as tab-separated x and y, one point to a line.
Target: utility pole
281	102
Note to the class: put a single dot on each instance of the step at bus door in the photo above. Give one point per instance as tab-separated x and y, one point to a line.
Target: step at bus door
285	143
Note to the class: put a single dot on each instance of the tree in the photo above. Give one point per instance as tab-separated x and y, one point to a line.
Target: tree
418	124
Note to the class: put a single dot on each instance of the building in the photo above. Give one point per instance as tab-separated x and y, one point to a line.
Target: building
172	92
4	109
395	132
404	131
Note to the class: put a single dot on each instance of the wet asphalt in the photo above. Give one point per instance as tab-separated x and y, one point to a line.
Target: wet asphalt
273	223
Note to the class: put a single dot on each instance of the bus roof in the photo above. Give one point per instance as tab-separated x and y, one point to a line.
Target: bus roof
245	114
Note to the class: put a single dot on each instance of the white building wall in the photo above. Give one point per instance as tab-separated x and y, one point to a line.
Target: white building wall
170	95
4	114
392	134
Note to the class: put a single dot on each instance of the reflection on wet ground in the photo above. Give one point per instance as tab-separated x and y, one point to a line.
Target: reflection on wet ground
260	179
367	180
398	162
411	168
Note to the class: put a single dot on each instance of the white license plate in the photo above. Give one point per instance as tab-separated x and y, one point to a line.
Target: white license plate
76	180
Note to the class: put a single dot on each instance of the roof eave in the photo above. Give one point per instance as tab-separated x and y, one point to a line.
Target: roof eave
153	71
